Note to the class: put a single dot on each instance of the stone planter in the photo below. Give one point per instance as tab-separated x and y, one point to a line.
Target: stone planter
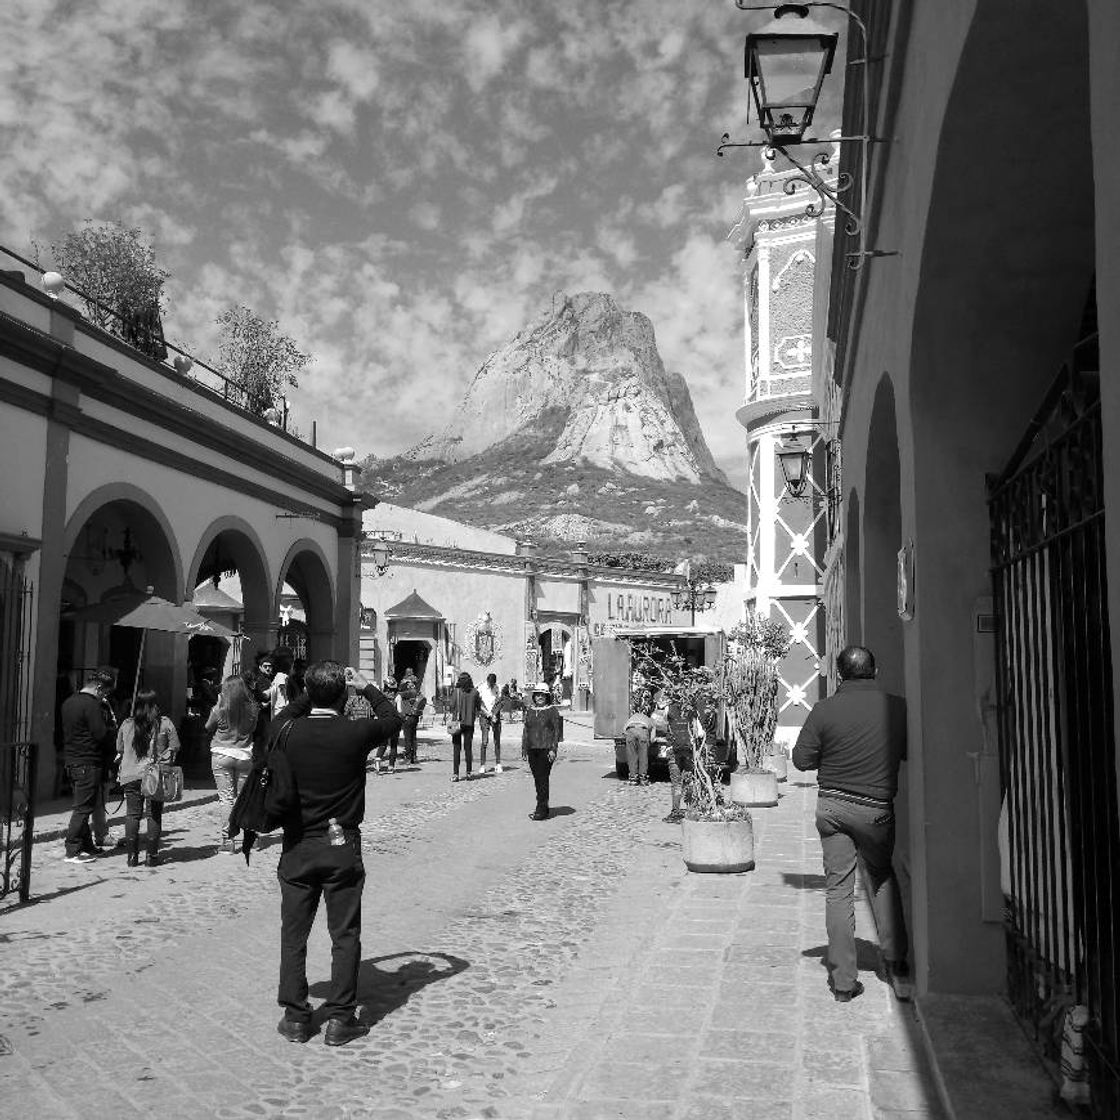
778	765
719	847
754	787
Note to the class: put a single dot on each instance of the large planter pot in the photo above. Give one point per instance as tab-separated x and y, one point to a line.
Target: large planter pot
754	787
778	765
720	847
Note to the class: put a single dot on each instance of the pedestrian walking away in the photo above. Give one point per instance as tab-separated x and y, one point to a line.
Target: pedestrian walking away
462	713
145	739
322	852
85	735
540	741
232	722
669	720
490	722
856	740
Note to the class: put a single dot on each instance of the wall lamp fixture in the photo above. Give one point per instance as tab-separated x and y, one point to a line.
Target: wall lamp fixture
785	64
380	554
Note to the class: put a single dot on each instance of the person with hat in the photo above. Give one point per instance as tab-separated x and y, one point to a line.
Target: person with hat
410	704
540	740
86	736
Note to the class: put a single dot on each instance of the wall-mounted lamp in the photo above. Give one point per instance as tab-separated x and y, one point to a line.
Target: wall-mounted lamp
785	64
380	554
795	459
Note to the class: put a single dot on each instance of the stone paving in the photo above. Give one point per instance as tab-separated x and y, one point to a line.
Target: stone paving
511	970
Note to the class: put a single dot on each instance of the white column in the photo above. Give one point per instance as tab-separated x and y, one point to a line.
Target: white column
767	513
764	311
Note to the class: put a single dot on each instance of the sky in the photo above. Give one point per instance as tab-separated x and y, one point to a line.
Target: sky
403	184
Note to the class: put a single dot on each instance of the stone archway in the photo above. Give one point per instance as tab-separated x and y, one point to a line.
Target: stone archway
119	541
306	571
231	544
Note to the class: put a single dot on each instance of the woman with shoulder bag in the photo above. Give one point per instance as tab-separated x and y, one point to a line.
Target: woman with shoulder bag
462	713
146	739
232	722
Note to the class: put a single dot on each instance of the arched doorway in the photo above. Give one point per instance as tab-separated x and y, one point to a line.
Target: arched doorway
305	594
228	581
118	547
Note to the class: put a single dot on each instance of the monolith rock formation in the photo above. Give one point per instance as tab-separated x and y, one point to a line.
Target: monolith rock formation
574	430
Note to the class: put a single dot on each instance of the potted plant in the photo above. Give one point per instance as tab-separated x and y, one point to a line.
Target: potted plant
751	690
716	834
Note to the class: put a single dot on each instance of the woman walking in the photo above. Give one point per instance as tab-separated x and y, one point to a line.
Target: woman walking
461	715
540	740
232	721
144	739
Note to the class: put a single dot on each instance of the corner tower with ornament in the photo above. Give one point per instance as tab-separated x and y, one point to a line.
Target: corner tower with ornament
784	234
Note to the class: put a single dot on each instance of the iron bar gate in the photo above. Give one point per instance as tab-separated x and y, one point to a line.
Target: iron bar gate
1057	744
18	758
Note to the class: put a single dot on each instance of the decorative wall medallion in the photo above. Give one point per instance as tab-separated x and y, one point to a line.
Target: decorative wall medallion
795	351
483	639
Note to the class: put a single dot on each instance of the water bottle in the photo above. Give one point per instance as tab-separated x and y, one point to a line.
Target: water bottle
335	836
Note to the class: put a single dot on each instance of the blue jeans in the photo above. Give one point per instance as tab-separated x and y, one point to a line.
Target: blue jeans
637	752
847	830
229	776
86	781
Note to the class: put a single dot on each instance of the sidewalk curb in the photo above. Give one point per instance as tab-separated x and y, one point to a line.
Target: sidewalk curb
59	832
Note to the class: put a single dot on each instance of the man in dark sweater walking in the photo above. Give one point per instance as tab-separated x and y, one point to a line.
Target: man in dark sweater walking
323	845
84	736
855	740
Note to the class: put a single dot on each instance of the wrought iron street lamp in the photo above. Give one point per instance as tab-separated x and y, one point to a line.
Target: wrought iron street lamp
380	554
694	596
785	63
795	460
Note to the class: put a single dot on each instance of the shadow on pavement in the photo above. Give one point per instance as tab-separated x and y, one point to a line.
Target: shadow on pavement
381	991
35	899
561	811
867	955
803	882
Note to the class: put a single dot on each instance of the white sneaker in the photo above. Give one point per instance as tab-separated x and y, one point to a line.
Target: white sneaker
498	768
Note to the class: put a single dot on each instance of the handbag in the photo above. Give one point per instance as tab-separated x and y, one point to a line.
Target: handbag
162	781
267	797
454	726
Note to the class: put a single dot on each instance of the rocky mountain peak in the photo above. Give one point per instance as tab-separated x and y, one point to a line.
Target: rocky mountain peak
599	364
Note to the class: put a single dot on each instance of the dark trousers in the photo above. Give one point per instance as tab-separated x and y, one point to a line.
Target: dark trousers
463	739
408	731
680	763
308	869
541	767
394	741
489	728
86	782
134	805
848	830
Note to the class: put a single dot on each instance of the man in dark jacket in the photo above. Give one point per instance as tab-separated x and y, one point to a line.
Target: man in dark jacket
855	740
85	735
327	755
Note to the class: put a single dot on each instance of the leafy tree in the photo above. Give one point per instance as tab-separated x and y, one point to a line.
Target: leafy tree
257	357
118	281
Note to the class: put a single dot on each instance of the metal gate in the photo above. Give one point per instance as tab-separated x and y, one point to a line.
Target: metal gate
18	758
1057	744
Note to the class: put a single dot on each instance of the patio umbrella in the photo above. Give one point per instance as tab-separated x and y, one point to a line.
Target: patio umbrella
144	611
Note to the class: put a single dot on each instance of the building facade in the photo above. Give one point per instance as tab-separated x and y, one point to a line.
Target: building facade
123	474
785	248
456	598
973	373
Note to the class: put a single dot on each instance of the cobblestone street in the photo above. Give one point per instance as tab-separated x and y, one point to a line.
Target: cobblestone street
511	970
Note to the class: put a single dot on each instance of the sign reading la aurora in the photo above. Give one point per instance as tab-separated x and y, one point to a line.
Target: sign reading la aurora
623	608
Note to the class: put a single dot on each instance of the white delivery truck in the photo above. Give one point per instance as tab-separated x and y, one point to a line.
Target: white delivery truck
612	673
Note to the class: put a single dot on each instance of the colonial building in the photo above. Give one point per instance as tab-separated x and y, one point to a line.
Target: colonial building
123	473
973	369
785	249
448	597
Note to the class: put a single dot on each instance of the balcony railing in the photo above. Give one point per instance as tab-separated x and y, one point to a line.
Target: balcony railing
780	385
144	333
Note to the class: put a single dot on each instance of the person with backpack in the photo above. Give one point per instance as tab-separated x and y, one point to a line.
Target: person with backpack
324	755
147	738
232	722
